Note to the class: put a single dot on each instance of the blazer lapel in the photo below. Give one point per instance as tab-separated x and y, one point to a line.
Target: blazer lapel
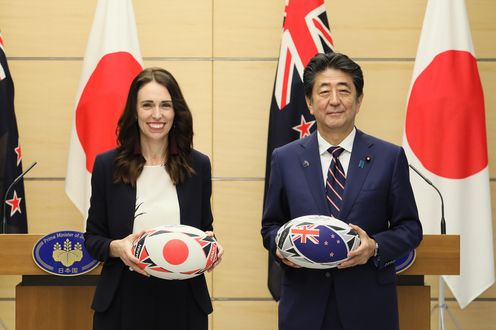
126	195
309	158
362	157
182	193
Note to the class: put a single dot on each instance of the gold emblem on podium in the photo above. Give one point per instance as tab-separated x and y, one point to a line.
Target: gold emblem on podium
68	255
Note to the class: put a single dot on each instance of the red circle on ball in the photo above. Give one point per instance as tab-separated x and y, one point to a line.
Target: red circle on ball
175	252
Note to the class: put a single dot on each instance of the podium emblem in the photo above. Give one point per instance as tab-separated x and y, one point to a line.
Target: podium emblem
405	262
63	253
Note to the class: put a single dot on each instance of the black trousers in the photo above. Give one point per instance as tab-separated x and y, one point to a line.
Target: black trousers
332	320
151	304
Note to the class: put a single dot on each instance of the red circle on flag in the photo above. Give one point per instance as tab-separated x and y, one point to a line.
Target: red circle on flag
445	121
175	252
102	102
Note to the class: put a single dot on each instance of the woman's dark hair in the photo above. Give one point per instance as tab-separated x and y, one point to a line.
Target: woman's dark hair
337	61
129	162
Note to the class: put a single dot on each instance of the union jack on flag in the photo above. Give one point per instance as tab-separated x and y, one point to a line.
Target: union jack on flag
304	232
305	33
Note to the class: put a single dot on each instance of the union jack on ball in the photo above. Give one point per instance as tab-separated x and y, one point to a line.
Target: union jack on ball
316	241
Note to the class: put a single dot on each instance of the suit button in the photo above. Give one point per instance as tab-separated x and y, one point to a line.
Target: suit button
327	274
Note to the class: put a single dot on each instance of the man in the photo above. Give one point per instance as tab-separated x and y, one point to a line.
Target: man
377	201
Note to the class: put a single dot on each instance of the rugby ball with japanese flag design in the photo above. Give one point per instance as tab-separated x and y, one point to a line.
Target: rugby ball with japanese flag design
316	241
175	252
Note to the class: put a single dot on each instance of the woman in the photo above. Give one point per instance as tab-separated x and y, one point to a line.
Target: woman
153	177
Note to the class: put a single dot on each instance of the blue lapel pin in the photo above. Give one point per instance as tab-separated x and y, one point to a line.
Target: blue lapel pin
361	163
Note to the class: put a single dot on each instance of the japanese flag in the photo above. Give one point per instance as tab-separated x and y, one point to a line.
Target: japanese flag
445	137
111	62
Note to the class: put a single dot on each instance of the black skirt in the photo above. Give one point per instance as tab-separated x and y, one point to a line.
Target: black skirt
151	303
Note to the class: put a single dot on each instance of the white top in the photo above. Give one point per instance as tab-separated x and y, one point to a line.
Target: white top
344	158
156	199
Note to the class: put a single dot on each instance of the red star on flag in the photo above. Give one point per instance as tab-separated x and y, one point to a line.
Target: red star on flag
304	127
19	154
15	204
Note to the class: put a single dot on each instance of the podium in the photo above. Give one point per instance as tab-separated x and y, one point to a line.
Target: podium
45	301
436	255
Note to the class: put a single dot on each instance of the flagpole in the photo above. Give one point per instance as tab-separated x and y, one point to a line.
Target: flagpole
444	307
441	303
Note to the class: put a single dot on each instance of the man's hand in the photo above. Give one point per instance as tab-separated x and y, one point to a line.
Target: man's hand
363	253
286	261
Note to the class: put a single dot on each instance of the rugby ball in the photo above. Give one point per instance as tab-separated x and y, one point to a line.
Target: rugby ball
316	241
175	252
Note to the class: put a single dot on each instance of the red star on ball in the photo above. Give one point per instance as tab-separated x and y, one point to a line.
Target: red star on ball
304	127
15	204
19	154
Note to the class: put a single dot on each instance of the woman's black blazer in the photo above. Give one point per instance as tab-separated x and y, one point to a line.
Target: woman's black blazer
111	217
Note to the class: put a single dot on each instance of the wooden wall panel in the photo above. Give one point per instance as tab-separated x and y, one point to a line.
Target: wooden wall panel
245	315
367	29
238	214
487	71
382	113
247	28
44	101
56	28
7	285
379	29
372	29
242	96
7	314
49	209
174	28
483	26
165	28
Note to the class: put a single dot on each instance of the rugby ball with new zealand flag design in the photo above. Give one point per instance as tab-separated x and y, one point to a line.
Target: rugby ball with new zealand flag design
316	241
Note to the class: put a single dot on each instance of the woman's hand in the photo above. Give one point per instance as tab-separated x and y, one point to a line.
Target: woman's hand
121	248
220	251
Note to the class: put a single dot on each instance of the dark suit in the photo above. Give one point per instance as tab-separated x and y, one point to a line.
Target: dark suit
111	217
378	198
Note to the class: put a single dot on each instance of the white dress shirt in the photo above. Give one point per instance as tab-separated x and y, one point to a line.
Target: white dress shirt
344	158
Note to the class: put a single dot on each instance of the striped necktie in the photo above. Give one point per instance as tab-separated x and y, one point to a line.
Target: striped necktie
336	181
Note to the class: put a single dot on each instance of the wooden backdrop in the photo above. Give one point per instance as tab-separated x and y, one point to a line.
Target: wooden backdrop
224	54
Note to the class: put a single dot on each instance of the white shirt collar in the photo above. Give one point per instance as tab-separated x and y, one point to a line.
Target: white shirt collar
346	144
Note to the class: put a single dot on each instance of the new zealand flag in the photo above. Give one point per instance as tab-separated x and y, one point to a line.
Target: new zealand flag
10	154
305	33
